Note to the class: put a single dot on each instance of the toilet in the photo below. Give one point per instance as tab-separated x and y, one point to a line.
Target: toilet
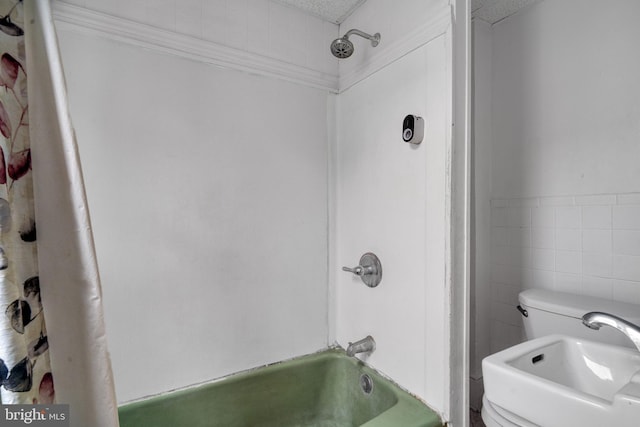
546	312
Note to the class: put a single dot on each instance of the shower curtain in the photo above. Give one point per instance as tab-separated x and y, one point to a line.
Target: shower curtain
25	371
52	336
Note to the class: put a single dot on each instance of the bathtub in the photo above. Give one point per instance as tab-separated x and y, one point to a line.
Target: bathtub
326	389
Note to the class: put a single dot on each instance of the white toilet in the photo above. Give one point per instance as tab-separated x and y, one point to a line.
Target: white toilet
547	312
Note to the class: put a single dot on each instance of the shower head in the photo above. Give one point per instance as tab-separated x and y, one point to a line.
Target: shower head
343	48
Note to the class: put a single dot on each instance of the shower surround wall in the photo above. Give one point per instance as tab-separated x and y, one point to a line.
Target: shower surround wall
251	192
391	196
208	195
562	207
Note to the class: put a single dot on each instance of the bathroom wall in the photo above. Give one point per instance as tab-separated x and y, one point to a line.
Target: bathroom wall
208	195
565	182
391	200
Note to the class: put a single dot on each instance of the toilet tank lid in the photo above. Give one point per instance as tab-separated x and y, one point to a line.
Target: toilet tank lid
577	305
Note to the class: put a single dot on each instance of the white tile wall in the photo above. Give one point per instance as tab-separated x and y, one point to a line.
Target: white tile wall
568	217
586	244
626	217
597	286
556	201
626	267
597	264
629	199
626	242
568	262
543	238
600	199
568	239
626	291
596	217
543	217
596	240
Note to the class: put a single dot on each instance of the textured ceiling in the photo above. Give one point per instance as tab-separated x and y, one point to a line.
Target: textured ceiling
337	11
334	11
493	11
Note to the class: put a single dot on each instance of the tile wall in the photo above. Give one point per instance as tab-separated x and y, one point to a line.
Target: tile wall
588	244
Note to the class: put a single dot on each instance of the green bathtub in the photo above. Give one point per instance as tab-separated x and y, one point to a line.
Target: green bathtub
321	390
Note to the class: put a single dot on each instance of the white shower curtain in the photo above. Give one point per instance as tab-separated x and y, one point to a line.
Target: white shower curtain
70	284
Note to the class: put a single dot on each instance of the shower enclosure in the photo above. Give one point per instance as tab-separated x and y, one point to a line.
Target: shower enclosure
233	169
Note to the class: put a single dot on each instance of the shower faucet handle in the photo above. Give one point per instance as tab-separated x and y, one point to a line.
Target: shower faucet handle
359	270
369	270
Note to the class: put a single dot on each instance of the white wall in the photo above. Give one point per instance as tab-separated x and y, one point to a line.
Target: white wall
390	200
261	27
402	26
565	100
208	195
565	187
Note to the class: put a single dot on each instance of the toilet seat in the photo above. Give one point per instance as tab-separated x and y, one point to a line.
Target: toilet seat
495	416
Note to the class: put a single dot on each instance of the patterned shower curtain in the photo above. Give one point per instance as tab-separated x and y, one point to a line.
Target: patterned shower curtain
64	253
25	372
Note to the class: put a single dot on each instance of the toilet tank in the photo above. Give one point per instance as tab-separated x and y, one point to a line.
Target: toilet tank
546	312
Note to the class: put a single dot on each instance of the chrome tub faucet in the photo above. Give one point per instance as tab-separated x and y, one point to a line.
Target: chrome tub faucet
365	345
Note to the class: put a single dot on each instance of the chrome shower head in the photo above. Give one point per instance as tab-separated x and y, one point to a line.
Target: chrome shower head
343	48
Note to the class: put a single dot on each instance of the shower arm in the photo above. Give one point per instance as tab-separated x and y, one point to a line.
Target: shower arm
375	39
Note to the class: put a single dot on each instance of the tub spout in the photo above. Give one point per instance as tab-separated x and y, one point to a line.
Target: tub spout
595	320
365	345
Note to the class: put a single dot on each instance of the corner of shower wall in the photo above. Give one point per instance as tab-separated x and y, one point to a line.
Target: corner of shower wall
332	217
390	196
